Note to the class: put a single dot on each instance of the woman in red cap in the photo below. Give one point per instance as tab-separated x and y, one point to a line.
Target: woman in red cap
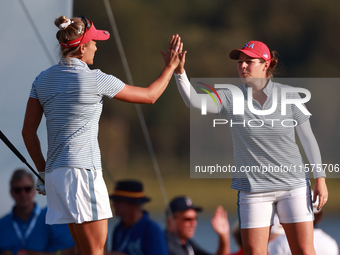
70	95
266	147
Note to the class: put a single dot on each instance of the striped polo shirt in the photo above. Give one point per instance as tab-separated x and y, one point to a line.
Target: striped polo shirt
266	157
71	95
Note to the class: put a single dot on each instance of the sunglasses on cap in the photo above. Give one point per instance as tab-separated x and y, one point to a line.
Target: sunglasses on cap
17	190
90	33
87	23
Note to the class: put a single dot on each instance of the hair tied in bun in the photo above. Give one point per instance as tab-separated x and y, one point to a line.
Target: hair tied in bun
65	25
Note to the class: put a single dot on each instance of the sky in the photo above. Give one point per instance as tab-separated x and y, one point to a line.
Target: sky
22	59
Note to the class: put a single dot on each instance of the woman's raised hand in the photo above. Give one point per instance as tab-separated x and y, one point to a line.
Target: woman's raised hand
171	56
181	54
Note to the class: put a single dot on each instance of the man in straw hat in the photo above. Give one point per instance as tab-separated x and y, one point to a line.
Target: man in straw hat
136	233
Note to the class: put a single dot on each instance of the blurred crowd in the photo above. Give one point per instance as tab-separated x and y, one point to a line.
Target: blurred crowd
23	231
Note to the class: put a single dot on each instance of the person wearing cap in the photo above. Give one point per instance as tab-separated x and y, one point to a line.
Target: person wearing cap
324	244
136	233
23	231
267	145
70	95
181	222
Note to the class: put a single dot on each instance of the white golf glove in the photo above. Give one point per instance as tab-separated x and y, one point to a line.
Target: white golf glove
40	186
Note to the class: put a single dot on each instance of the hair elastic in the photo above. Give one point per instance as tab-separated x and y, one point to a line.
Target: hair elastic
65	25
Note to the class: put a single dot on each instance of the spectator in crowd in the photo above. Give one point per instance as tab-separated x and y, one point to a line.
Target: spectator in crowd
136	233
324	244
23	231
237	236
275	231
181	226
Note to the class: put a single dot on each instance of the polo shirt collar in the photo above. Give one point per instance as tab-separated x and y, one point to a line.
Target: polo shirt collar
267	89
74	62
144	218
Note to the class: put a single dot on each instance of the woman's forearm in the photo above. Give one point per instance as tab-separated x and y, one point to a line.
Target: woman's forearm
190	96
32	121
146	95
156	88
311	148
32	143
150	94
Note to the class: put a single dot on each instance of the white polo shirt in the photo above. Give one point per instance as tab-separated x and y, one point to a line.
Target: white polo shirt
72	97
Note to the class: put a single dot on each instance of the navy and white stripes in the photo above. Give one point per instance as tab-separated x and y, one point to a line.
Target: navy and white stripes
72	98
269	145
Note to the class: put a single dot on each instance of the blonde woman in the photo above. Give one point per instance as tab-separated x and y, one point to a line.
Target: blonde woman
70	95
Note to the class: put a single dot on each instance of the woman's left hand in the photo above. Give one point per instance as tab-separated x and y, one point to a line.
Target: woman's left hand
220	222
181	54
171	57
320	190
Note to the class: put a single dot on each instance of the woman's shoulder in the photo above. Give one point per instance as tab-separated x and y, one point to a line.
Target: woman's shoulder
226	91
290	91
47	72
280	85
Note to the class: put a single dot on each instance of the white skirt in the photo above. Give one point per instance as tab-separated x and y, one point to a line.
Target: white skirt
76	195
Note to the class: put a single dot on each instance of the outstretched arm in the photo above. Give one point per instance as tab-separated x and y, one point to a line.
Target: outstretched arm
313	154
187	91
150	94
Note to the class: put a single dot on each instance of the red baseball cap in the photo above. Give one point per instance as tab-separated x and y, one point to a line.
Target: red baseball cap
254	49
91	33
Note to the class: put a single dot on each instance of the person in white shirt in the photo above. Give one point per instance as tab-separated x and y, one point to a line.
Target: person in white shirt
324	244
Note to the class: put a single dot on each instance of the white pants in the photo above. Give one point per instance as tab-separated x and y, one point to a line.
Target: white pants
76	195
257	209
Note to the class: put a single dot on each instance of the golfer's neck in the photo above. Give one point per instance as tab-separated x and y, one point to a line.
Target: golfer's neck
132	218
23	212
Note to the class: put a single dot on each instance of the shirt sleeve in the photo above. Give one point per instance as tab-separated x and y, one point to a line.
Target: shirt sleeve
60	238
226	97
108	85
298	115
311	148
33	92
190	97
